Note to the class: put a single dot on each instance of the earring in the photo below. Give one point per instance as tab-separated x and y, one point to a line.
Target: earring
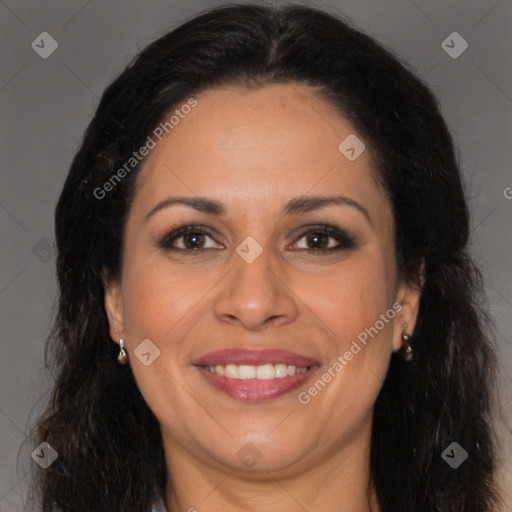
406	349
122	358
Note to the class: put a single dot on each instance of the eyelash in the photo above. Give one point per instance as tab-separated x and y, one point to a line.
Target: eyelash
344	240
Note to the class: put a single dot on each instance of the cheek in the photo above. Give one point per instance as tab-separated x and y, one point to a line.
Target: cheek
361	314
156	300
353	295
354	301
156	307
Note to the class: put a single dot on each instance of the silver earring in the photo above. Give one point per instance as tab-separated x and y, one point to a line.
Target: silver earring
406	349
122	358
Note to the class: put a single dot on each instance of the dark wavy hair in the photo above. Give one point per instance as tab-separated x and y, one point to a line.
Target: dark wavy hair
108	440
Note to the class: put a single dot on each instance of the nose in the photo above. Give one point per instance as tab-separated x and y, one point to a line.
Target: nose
256	296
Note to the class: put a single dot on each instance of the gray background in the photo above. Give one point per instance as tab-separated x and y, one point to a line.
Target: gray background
45	105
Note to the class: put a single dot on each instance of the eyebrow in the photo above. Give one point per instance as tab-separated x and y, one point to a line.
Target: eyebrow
293	207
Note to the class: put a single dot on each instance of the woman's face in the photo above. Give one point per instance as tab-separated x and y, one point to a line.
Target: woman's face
255	276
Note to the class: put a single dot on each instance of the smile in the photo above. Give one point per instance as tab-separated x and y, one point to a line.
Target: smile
264	386
255	375
261	372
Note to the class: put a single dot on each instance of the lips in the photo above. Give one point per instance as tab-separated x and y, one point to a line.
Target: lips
255	389
254	358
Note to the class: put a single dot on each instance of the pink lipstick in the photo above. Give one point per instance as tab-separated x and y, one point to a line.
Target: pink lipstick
249	374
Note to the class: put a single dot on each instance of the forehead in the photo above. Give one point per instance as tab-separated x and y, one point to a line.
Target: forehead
257	146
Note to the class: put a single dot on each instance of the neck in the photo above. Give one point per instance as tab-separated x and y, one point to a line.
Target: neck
335	482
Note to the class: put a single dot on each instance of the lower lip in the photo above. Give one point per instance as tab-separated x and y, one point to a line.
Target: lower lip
256	389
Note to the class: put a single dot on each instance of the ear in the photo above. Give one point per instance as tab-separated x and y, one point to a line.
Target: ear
114	305
408	296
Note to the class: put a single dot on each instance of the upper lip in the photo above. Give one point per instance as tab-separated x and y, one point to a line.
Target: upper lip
254	357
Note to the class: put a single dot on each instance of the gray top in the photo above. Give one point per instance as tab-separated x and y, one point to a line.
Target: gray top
159	506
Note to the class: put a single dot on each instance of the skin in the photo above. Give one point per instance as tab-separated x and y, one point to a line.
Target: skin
254	150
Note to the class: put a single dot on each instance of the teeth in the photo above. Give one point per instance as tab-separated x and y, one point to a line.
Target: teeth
247	372
281	370
231	371
266	372
261	372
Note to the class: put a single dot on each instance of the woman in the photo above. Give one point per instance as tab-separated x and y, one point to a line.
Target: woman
266	297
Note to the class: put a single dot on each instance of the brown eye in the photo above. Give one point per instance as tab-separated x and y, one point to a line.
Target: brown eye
325	238
317	240
188	238
193	240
